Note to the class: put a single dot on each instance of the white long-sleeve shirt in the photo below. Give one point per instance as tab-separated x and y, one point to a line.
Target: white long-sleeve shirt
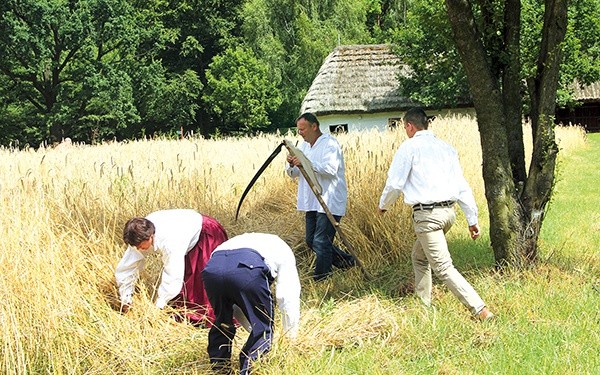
177	232
427	170
328	164
281	261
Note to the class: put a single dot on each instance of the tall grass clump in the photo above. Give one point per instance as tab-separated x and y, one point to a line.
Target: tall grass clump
63	210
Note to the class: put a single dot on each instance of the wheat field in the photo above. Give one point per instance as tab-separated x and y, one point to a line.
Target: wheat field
62	213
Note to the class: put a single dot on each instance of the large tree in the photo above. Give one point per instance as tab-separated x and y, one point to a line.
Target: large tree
62	59
240	92
200	30
508	58
487	37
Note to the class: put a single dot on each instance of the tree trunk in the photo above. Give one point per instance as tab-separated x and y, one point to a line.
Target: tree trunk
488	99
540	182
512	98
515	202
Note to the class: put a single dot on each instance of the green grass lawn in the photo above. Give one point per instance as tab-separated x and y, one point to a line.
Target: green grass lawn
548	319
572	225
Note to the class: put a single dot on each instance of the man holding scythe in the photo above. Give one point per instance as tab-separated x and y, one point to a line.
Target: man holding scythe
325	154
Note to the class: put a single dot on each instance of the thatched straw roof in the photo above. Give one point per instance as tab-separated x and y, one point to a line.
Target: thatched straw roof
589	93
363	79
357	79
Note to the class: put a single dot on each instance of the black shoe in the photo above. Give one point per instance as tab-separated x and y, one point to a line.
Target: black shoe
222	368
322	276
346	264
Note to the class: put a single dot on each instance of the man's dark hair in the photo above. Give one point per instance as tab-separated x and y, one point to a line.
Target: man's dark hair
138	230
417	117
309	117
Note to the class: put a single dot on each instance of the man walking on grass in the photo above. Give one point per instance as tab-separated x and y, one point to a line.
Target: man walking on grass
427	171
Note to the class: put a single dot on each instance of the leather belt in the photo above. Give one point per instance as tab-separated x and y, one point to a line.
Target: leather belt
431	206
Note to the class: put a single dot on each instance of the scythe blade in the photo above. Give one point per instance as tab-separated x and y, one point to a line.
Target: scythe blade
257	175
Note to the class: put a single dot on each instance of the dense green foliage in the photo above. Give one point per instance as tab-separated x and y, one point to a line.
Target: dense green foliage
87	70
240	92
427	46
101	69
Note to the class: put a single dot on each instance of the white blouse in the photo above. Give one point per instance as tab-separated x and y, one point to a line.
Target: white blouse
177	232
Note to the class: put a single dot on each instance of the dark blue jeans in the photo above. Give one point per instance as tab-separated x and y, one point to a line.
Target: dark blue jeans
319	237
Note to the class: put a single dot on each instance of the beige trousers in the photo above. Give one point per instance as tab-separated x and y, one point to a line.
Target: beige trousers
431	251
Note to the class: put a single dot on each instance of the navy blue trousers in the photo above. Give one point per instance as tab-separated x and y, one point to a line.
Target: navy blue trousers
238	277
319	237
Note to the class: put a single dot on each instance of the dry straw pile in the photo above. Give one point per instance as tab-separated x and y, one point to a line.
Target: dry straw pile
62	215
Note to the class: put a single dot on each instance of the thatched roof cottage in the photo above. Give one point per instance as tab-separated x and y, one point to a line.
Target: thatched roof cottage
357	88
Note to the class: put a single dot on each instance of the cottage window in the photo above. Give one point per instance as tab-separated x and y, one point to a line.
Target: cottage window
338	128
394	122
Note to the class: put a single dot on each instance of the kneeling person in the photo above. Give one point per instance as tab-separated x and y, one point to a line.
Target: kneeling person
238	275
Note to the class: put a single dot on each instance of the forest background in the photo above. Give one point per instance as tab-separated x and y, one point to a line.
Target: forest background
95	70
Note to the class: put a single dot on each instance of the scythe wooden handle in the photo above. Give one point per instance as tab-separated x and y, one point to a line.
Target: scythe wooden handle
333	221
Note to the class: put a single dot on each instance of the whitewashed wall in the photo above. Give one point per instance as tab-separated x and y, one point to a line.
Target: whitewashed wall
378	121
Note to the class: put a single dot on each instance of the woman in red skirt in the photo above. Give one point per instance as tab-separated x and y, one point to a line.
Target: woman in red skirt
185	239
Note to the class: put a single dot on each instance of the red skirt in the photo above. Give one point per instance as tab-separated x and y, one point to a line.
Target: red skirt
193	298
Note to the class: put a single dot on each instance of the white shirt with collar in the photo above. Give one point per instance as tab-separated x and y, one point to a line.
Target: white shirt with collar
427	170
328	164
177	232
280	259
